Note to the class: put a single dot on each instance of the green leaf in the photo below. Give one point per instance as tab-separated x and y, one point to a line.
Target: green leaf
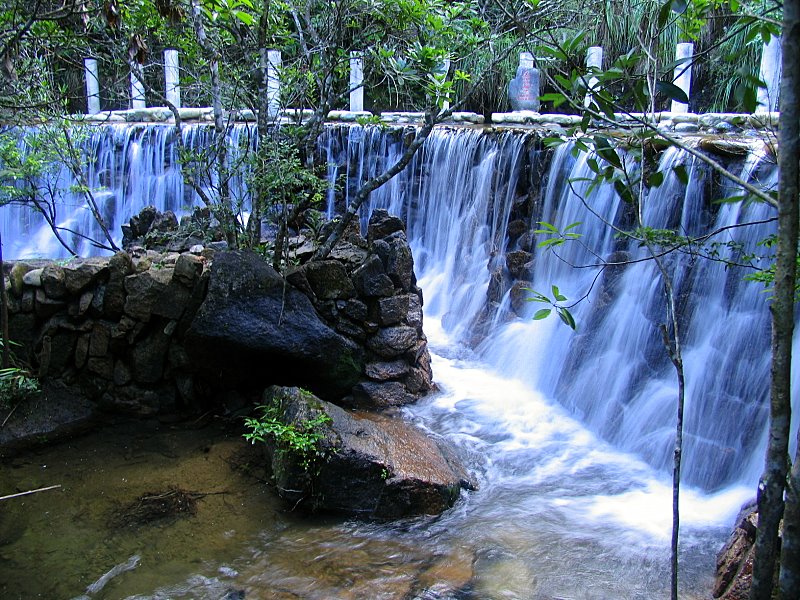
655	179
566	317
672	91
664	13
542	313
681	173
606	151
557	294
547	227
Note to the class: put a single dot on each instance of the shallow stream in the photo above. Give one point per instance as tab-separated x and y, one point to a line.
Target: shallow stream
560	514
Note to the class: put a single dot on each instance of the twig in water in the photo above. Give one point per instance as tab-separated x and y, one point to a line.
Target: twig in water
44	489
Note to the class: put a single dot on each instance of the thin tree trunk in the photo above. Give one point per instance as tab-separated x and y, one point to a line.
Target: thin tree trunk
4	312
785	278
773	481
222	207
373	184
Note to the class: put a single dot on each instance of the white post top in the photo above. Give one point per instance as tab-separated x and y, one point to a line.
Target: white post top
92	86
770	74
683	73
525	60
594	57
356	82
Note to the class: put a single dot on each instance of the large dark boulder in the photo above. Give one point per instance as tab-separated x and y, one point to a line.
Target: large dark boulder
365	463
254	328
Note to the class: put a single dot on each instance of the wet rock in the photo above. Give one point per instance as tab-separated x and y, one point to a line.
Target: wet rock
254	328
392	310
371	394
366	464
382	224
57	412
735	560
447	575
400	262
519	264
33	277
414	314
520	292
385	371
516	228
392	341
499	283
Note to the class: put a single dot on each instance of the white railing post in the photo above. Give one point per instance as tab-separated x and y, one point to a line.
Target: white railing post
172	77
594	59
137	87
273	83
92	86
683	74
356	82
770	73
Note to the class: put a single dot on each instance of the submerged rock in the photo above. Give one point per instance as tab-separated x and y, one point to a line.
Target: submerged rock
366	464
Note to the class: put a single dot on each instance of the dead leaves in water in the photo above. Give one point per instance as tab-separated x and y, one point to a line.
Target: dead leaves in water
157	507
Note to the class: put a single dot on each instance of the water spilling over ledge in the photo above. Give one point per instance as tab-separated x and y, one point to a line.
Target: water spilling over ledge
570	433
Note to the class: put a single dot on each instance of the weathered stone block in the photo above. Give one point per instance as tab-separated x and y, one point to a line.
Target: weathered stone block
373	394
400	263
103	366
328	280
54	281
393	310
33	277
382	224
45	306
82	274
393	341
370	279
82	351
353	309
144	291
99	340
149	357
188	268
122	373
387	370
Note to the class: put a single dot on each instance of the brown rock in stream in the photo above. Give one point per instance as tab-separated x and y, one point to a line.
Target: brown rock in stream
366	464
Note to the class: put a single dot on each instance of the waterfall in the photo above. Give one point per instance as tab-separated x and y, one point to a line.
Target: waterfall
127	167
613	374
458	196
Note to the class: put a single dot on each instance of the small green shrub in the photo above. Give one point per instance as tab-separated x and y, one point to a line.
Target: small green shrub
16	385
302	440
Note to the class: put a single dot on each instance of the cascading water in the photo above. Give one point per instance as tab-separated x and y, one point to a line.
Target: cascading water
127	167
614	373
569	433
